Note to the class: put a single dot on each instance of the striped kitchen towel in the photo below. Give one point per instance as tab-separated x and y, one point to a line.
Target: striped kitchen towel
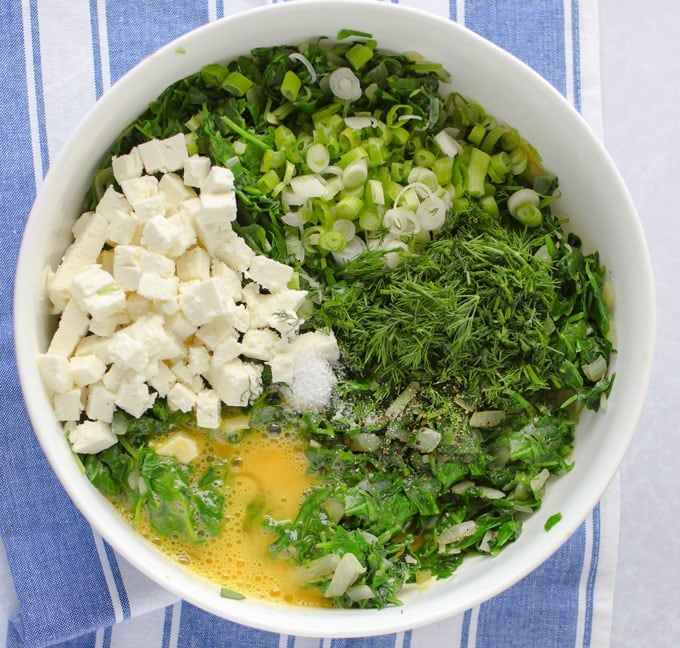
56	58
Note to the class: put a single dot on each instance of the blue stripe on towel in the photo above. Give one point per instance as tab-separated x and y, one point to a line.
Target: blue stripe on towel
137	29
532	31
198	628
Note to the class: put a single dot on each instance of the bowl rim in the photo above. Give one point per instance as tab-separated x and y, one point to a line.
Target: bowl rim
322	622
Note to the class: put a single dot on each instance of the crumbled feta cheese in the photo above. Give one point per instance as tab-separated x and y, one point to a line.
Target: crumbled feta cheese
165	155
199	359
127	166
91	437
181	398
174	189
226	351
196	170
100	403
161	378
207	409
86	369
259	343
97	293
203	301
194	264
180	446
237	383
157	288
56	372
235	252
112	201
68	405
133	395
80	255
270	274
71	329
219	180
138	189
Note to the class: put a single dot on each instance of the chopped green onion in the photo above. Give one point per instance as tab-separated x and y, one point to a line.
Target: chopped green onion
358	55
344	84
528	215
355	173
552	521
231	594
477	168
317	157
290	86
237	84
332	241
490	206
476	135
349	207
369	220
268	181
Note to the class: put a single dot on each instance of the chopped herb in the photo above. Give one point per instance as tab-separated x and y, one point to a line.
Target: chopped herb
552	521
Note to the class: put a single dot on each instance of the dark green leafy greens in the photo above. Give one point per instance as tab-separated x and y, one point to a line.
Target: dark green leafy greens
179	503
494	314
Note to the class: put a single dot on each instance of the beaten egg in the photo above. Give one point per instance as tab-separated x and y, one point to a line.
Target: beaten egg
268	475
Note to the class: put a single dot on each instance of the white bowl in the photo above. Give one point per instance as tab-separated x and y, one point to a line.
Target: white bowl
594	197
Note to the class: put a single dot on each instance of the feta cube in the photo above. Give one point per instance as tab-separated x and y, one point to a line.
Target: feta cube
174	189
240	318
259	343
112	201
207	409
194	264
218	181
133	395
231	279
113	378
161	378
97	293
150	332
226	351
127	166
237	383
137	306
196	169
131	261
203	301
152	207
277	310
157	288
323	345
67	405
282	365
106	326
270	274
122	227
182	372
158	234
96	345
179	445
72	327
181	398
55	371
86	369
128	352
174	152
179	326
100	403
235	252
80	255
136	190
199	360
216	331
184	235
91	437
217	208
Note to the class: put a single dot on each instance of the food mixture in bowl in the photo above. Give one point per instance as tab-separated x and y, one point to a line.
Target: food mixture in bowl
320	332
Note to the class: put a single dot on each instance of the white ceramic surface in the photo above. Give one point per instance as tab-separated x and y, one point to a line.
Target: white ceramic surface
594	198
